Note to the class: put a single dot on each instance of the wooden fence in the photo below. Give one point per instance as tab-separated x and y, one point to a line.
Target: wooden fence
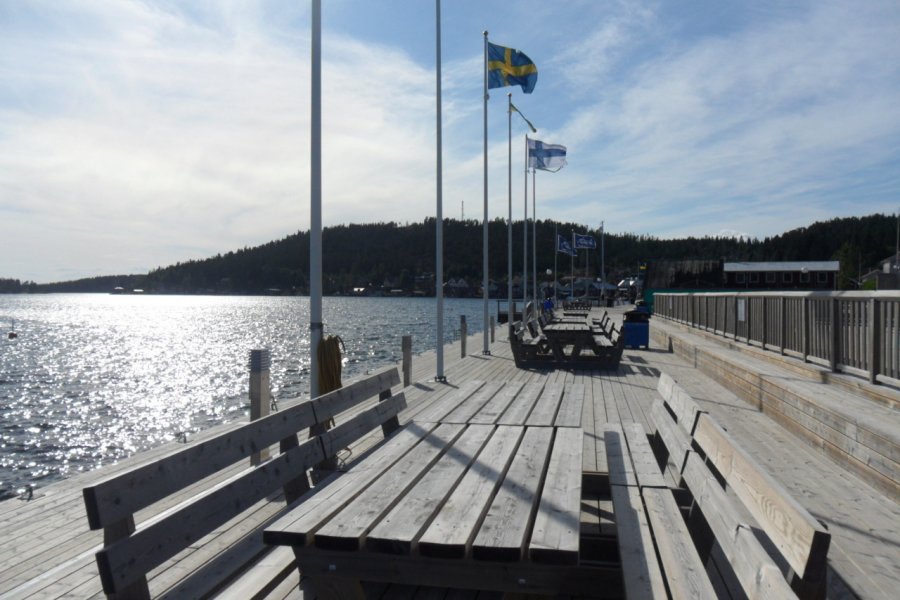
853	332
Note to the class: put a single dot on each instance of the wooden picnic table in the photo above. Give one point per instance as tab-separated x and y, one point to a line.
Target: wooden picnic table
577	334
482	491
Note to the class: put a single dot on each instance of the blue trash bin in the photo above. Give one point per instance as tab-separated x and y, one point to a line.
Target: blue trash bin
636	328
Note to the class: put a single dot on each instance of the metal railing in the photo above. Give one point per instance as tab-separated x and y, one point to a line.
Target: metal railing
853	332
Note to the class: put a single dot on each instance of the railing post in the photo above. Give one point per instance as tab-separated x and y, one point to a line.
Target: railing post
259	394
874	338
783	323
835	333
493	324
804	333
765	322
463	334
406	345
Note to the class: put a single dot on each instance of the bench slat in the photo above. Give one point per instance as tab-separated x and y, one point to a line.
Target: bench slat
130	558
680	402
335	402
677	442
553	534
645	466
797	535
118	497
349	431
757	573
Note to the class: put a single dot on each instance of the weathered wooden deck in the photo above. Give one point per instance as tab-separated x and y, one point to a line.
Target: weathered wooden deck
48	549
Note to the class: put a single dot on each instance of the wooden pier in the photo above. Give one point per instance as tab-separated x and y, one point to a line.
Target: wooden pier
48	549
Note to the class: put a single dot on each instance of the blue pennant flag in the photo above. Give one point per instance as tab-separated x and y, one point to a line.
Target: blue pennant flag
508	66
584	241
547	157
563	245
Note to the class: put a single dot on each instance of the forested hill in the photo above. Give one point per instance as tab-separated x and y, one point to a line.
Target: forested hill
403	256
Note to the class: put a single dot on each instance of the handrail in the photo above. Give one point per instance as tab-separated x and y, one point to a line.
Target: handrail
852	332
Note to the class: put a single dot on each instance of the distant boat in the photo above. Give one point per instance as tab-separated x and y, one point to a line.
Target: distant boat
118	290
12	333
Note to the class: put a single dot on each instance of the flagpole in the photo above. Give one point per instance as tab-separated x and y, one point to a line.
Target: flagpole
525	240
572	263
603	259
555	257
484	265
534	282
509	229
315	200
439	221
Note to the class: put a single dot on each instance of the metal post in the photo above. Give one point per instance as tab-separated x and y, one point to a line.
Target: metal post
260	401
463	334
534	281
493	325
783	323
509	227
315	201
484	242
874	349
406	346
525	241
804	333
439	221
835	334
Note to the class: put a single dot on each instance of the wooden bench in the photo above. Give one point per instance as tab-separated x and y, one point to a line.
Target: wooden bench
750	532
528	351
188	532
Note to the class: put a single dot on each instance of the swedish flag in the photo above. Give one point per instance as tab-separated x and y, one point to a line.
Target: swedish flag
508	66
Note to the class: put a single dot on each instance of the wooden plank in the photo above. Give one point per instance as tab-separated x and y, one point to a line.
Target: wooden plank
684	571
438	410
495	407
125	561
686	411
351	430
646	468
570	408
600	581
333	403
316	507
621	471
759	576
641	572
797	535
451	532
346	528
400	528
504	532
545	409
119	496
469	407
518	411
555	536
677	442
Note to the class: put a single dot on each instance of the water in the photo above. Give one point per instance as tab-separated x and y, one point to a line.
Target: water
92	379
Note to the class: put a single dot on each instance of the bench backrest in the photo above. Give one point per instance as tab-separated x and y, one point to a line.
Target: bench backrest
800	539
128	554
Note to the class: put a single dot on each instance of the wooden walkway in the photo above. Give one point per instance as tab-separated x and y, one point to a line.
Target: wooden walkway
48	549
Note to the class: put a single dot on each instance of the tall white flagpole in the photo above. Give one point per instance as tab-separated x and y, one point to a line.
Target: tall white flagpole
484	282
555	259
572	264
509	230
603	259
315	199
534	281
525	240
439	221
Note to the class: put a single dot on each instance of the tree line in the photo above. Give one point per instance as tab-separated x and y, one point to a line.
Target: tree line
403	256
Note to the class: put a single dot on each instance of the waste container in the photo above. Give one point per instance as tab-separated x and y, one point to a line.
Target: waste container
636	328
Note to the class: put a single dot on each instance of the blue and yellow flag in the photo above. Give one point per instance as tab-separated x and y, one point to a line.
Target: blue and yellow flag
508	66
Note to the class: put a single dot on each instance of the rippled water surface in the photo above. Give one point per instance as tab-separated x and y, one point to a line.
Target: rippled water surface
94	378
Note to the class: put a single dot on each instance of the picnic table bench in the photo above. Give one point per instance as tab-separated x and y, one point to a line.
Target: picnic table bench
721	526
189	532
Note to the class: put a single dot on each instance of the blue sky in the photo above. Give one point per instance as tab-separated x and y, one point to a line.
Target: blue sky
135	134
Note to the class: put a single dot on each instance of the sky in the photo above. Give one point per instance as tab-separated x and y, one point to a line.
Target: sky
135	134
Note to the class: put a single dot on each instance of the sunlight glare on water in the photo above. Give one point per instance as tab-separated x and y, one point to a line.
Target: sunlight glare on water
94	378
